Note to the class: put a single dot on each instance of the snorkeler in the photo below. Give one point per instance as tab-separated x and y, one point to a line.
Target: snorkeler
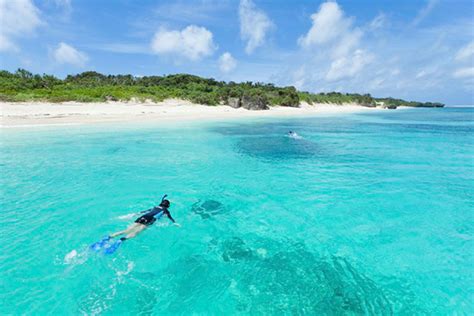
292	134
149	217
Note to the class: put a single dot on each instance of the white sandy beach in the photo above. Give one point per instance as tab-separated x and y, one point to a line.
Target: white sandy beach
72	113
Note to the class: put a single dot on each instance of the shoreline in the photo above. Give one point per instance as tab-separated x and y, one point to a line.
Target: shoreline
34	114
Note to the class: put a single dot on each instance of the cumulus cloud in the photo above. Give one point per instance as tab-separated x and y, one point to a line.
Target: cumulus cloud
254	25
226	62
329	24
193	42
348	66
18	18
332	35
347	43
66	54
466	52
347	57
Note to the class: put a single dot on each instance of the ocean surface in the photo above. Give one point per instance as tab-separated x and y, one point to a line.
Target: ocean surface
367	214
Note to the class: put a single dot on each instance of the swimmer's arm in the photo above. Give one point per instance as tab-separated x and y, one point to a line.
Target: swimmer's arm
172	219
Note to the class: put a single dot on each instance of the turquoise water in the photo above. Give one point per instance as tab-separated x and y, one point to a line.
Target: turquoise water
369	213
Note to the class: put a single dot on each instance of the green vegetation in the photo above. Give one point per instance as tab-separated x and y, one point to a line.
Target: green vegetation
338	98
91	86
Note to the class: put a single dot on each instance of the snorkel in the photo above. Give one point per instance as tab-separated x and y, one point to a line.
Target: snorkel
164	203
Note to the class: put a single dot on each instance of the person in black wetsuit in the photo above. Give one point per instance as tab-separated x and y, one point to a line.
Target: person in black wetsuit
149	217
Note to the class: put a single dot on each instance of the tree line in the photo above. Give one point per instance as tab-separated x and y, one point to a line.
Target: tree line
91	86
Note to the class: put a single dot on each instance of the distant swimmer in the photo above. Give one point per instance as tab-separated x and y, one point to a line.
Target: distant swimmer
149	217
293	135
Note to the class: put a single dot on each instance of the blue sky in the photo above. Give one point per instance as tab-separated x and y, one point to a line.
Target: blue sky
418	50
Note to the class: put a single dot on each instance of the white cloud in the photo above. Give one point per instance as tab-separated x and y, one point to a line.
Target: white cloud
6	44
348	66
425	11
124	48
299	78
193	42
347	43
333	38
329	24
467	72
421	74
384	64
64	3
254	25
430	71
226	62
66	54
376	83
465	56
18	18
378	22
466	52
66	6
193	11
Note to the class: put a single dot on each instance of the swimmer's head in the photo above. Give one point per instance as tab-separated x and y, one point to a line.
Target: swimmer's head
165	203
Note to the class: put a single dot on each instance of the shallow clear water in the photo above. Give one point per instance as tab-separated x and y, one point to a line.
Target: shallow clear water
367	214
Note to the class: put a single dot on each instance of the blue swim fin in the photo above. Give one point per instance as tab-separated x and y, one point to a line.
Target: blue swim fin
112	247
100	244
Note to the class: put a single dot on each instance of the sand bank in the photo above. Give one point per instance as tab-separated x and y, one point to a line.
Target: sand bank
73	113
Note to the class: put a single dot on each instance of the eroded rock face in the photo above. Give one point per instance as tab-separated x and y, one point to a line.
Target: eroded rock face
254	103
234	102
249	102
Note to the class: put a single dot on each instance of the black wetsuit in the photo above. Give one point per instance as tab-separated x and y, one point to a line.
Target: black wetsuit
149	217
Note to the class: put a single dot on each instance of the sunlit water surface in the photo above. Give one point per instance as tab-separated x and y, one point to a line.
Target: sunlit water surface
368	213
